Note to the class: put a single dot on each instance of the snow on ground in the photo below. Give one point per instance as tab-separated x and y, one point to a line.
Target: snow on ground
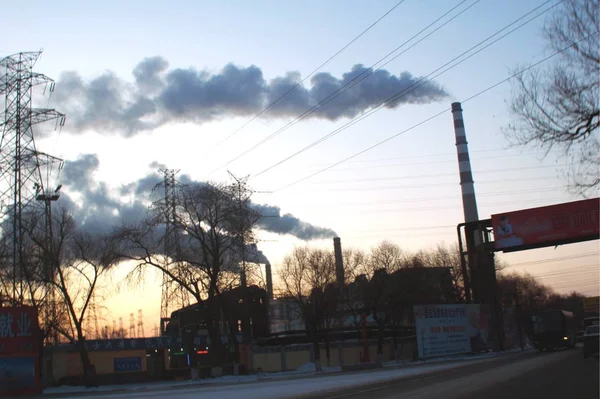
270	385
307	369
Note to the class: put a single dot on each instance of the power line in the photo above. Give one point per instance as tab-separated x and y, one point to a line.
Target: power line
309	75
576	277
336	93
429	199
435	208
453	154
580	275
425	176
424	80
550	260
576	287
423	199
439	161
430	185
578	270
432	117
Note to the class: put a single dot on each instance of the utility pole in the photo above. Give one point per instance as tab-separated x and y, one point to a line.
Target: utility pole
47	197
21	165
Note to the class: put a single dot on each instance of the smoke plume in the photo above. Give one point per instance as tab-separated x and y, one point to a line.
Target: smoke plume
273	221
159	95
97	209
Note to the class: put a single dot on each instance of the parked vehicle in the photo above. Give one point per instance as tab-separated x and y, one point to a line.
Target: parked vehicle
554	329
591	341
590	321
580	335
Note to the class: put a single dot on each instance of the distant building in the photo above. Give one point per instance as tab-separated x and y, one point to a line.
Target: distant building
429	285
285	315
419	285
244	317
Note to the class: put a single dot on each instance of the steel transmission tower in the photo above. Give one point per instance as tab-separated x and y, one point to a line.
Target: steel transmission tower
168	207
22	168
140	325
242	196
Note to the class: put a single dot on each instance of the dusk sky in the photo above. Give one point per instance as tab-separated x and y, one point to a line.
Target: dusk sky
148	83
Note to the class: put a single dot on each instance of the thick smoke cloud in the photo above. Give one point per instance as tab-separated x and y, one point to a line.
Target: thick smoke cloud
158	95
274	222
97	209
92	203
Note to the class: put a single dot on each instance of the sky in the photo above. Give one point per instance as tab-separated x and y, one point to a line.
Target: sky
183	84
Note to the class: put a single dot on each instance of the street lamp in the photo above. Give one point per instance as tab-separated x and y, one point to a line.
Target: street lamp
48	197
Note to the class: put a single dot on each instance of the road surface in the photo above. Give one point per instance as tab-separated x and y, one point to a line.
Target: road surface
561	374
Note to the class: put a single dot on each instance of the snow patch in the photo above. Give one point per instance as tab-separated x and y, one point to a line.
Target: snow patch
270	384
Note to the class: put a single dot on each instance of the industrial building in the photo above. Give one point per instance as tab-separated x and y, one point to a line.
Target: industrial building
244	315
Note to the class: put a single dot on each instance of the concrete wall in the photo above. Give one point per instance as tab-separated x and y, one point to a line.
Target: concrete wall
287	358
63	364
68	363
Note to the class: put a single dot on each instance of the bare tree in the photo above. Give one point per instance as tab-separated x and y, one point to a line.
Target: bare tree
446	256
526	295
52	314
560	106
387	256
306	275
355	269
378	292
77	263
355	261
207	260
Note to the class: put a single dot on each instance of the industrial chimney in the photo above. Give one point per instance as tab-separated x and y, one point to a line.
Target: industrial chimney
464	166
269	280
339	261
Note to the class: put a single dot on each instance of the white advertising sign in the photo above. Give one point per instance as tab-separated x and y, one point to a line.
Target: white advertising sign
444	330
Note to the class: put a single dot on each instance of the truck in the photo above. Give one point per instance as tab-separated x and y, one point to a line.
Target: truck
554	329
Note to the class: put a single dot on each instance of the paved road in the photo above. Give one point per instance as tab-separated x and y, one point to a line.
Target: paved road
562	374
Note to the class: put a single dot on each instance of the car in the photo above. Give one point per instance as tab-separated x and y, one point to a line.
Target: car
580	335
591	339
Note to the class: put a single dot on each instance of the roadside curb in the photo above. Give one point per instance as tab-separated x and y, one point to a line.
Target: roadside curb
310	375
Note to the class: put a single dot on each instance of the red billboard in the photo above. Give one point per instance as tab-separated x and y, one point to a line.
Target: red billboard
547	226
19	351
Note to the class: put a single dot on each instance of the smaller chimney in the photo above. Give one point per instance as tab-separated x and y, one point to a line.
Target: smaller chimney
269	280
339	261
243	280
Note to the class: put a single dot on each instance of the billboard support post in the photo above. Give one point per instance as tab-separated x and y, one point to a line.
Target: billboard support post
463	265
479	272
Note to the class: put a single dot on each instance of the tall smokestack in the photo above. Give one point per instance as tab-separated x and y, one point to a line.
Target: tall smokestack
464	166
243	280
269	280
339	261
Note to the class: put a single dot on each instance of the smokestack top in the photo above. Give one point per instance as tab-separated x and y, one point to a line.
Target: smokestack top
339	262
456	107
269	274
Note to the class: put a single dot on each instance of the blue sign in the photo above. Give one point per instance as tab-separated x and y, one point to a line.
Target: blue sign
96	345
204	340
17	374
131	344
127	364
